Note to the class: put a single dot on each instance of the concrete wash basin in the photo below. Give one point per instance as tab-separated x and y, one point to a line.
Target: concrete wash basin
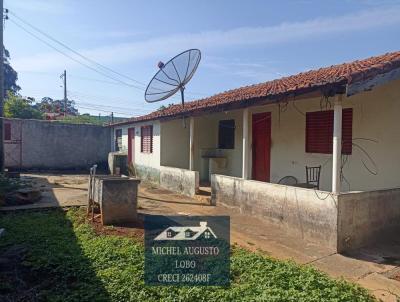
117	197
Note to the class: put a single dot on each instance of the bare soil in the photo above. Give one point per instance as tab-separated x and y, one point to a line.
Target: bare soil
132	230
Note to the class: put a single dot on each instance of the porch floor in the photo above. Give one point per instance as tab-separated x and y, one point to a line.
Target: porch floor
371	267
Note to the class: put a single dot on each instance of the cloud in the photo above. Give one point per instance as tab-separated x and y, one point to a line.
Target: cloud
250	69
163	47
108	34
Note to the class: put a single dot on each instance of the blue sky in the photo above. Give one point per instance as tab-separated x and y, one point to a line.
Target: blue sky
242	43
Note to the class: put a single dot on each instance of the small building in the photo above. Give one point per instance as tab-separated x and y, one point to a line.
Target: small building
317	152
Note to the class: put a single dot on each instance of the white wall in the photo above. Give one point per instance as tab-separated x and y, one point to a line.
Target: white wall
375	116
206	137
175	144
145	159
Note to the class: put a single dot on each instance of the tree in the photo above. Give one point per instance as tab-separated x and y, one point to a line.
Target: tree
10	76
49	105
19	107
162	107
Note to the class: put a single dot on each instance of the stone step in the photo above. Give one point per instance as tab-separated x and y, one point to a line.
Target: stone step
203	198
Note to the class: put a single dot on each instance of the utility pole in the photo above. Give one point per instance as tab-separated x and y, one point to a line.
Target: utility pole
112	117
1	89
64	76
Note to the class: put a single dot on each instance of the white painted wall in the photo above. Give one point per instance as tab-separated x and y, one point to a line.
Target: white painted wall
145	159
206	137
376	116
175	144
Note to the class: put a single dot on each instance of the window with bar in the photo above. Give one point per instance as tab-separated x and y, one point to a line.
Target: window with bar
146	142
226	134
319	131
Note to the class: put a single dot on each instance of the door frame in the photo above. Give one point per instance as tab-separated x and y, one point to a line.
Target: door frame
268	118
131	149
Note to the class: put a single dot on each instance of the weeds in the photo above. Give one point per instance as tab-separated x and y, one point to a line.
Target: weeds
68	261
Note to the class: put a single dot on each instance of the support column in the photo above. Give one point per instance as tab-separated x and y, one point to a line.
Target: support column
245	155
191	144
337	144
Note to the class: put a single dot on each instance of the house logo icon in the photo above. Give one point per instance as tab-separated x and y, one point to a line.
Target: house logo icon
187	232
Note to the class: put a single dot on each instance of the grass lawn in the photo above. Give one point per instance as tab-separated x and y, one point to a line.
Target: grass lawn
63	259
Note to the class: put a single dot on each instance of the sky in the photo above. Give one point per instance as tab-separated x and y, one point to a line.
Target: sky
242	43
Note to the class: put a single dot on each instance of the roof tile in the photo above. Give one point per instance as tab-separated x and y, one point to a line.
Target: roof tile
345	73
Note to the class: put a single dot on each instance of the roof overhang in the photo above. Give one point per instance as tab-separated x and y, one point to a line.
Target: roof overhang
369	84
295	95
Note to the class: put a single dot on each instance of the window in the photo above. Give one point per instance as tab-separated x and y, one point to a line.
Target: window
146	142
7	131
118	140
226	134
319	131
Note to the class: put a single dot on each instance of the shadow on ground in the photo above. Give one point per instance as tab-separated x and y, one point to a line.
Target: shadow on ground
41	259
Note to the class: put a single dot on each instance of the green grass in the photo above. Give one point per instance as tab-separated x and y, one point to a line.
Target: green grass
68	261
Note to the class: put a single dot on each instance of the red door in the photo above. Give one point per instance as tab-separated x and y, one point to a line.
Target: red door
131	145
261	136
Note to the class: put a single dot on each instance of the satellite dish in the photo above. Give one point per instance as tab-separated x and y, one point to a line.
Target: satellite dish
173	76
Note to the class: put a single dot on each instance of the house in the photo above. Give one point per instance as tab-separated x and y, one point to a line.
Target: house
246	142
187	233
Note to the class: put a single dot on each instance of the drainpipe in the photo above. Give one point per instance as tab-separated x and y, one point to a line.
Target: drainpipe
337	144
191	144
245	155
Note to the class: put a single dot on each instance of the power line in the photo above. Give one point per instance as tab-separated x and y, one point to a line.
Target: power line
50	74
91	61
72	58
97	97
74	51
109	108
95	80
108	111
85	57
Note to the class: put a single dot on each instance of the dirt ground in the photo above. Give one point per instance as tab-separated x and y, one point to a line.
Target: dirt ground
56	190
376	268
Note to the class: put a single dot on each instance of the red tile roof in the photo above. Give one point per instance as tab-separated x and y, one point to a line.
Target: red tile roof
331	77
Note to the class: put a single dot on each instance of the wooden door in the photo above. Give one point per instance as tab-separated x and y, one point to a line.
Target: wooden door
131	145
261	151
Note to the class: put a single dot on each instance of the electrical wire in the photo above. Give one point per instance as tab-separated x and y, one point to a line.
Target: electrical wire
93	62
78	103
95	99
95	109
325	99
50	74
76	52
297	108
109	108
375	167
72	58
